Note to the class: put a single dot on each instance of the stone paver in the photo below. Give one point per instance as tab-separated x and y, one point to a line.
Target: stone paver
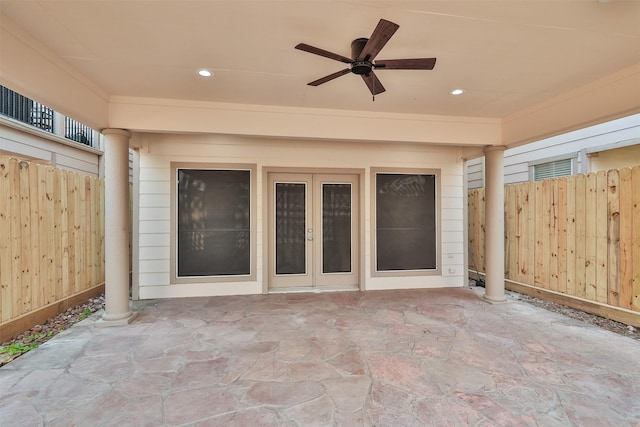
387	358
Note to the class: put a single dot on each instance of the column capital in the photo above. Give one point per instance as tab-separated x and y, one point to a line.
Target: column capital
115	131
491	148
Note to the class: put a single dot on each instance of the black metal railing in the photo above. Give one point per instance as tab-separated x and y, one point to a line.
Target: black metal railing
25	110
78	132
28	111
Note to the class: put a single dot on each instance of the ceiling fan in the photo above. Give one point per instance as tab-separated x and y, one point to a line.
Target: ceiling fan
363	53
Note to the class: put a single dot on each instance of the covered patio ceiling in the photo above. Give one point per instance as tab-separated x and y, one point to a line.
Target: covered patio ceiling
529	68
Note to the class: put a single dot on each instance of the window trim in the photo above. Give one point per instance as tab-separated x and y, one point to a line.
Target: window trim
374	249
173	261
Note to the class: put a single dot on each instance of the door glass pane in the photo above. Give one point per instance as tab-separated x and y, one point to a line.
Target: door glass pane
291	245
336	228
405	222
214	234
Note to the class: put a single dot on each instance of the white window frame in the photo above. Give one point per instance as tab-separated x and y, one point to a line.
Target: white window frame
374	252
175	279
532	165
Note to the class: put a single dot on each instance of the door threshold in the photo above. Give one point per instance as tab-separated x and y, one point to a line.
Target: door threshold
313	290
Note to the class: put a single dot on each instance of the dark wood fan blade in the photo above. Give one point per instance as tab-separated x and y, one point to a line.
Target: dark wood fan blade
378	39
322	52
373	83
406	64
330	77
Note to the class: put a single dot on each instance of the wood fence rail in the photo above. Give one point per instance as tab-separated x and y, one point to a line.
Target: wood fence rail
51	239
577	235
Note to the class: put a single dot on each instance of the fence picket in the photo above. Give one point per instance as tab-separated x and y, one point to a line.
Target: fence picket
561	215
48	244
625	261
581	235
67	288
83	264
6	264
38	183
531	221
57	233
635	238
481	231
590	235
522	234
571	235
16	242
25	237
100	243
613	238
93	231
471	231
553	234
72	209
602	274
510	230
538	278
547	231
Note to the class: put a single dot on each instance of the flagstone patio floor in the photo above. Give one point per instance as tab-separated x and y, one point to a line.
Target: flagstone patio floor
378	358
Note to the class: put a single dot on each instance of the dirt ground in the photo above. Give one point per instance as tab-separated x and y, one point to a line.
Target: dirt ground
608	324
42	333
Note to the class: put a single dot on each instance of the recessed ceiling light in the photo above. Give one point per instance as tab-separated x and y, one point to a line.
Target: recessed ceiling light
205	73
457	92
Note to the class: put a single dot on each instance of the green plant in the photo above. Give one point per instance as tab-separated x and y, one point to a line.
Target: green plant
18	348
85	313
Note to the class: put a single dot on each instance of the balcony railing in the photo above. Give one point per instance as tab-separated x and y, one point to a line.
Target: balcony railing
25	110
78	132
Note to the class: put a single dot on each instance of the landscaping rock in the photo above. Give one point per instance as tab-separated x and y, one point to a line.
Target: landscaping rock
38	334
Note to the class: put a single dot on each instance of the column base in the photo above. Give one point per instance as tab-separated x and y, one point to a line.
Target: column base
494	300
120	321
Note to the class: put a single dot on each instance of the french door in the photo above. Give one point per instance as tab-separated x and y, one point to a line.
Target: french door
313	230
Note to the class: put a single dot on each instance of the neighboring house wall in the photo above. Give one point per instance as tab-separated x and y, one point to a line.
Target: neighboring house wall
152	278
615	158
609	145
29	143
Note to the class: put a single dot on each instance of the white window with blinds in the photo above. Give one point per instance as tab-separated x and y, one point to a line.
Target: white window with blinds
552	169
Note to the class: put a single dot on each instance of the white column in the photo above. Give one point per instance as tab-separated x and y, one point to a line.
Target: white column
116	223
494	224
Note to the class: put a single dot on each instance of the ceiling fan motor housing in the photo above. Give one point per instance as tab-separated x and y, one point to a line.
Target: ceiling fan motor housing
356	47
359	65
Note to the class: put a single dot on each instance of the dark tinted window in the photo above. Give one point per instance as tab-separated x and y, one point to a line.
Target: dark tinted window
214	232
405	222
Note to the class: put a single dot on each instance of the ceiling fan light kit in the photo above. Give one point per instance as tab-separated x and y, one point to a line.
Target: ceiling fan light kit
363	53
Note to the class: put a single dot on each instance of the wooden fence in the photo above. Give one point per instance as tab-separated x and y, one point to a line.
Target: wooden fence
578	236
51	240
